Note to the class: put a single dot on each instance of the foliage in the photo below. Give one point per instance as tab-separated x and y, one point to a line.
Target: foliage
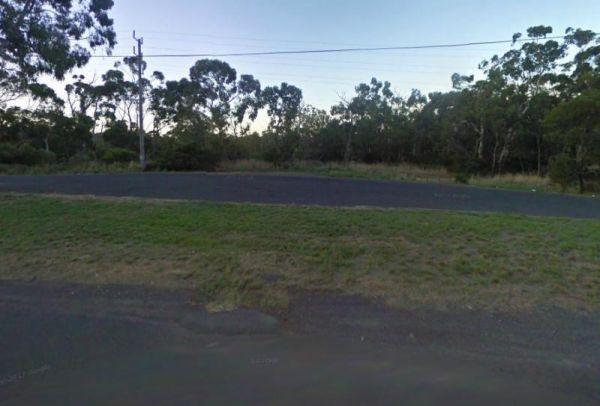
114	154
562	170
283	106
39	37
188	154
538	100
212	99
24	154
119	135
575	125
462	177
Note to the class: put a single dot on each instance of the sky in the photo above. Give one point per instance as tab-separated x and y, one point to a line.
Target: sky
217	26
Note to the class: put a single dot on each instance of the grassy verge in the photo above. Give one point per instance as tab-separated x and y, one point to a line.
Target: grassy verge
246	255
400	172
69	168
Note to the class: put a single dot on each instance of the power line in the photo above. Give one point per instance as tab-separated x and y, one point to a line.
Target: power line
415	54
332	50
337	63
399	69
168	36
214	47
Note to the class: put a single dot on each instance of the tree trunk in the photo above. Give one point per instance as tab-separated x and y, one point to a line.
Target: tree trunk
494	154
348	145
502	158
581	182
580	163
539	154
480	147
505	152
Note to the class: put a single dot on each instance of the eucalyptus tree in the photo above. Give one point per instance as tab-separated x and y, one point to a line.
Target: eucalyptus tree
372	119
312	122
530	71
212	99
284	105
121	89
49	37
122	94
201	112
246	104
281	140
585	66
485	112
575	125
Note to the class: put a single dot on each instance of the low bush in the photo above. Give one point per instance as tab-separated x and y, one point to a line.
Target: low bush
24	154
113	155
561	169
187	155
462	178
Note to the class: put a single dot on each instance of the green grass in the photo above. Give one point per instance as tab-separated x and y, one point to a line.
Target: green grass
251	255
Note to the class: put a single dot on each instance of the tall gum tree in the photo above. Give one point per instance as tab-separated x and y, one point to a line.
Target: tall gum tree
49	37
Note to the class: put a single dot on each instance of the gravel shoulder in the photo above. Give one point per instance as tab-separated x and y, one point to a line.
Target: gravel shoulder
74	343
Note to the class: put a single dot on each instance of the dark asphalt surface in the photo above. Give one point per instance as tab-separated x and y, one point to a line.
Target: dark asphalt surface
70	344
303	190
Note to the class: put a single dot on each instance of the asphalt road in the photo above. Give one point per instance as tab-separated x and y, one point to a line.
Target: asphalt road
69	344
303	190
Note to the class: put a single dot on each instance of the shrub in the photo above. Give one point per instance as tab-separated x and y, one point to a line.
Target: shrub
280	148
561	169
119	135
462	177
271	149
113	154
187	155
80	158
243	147
24	154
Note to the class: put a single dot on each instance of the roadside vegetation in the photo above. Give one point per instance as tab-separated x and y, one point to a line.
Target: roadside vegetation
70	168
535	110
353	170
235	255
403	173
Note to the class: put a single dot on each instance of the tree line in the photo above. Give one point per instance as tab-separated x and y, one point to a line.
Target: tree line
536	108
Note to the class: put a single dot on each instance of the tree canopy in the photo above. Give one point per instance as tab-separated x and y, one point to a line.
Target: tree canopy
535	106
48	37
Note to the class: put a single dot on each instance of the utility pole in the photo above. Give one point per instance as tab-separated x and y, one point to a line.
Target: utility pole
140	58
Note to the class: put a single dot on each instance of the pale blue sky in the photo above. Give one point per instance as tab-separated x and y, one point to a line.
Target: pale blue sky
184	26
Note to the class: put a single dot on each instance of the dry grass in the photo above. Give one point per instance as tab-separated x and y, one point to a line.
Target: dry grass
399	172
515	181
70	168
